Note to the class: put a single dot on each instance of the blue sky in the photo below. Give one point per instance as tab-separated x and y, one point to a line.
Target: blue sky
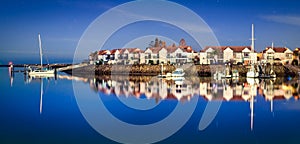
62	23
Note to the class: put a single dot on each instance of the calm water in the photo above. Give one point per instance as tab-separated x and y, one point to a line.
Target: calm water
250	111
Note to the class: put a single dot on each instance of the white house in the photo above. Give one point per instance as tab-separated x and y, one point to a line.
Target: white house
223	54
121	56
104	55
282	54
171	54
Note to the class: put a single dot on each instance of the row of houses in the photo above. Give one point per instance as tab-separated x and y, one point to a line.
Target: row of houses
185	54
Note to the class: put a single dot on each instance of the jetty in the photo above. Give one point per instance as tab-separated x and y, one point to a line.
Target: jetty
24	67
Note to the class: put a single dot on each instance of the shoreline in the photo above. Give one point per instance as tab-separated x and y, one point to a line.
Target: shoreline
154	70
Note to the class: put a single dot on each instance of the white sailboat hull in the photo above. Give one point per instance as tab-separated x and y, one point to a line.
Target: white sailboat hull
42	73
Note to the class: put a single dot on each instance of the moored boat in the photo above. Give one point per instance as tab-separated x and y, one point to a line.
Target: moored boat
41	72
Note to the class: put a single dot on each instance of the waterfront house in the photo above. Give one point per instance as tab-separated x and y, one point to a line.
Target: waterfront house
129	56
223	54
151	55
104	55
120	56
170	54
114	56
282	54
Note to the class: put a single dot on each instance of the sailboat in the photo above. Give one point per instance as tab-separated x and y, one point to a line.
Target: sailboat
252	73
42	72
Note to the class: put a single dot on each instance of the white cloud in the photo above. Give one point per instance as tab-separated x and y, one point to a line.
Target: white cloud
286	19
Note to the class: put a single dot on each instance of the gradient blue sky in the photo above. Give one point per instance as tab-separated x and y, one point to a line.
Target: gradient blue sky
61	24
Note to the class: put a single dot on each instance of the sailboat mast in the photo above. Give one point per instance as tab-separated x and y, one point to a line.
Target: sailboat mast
252	40
41	53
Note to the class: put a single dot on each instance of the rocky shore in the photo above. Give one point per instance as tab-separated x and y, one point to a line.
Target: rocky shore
153	70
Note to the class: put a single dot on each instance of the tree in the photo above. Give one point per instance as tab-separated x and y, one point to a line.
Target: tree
156	42
163	44
160	43
173	45
295	62
151	44
182	43
196	60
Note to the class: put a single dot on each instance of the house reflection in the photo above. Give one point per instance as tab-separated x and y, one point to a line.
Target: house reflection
222	90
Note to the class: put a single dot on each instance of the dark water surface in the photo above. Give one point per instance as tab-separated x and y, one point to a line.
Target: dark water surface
57	118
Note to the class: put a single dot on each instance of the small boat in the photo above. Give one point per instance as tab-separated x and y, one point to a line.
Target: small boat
41	72
178	73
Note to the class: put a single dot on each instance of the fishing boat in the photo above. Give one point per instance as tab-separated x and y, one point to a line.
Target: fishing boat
41	72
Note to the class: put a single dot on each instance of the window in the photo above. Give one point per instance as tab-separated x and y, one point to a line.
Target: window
288	56
168	56
270	57
210	55
112	57
246	55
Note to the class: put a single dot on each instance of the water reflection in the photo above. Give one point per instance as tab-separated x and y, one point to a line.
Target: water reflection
211	90
230	90
238	90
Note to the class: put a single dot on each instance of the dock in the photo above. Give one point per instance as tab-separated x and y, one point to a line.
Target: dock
37	65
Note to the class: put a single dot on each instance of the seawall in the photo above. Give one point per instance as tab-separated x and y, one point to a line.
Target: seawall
153	70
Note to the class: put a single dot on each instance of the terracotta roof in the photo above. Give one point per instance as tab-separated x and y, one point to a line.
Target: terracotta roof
114	51
277	49
234	48
171	49
103	52
239	48
155	50
134	50
130	50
